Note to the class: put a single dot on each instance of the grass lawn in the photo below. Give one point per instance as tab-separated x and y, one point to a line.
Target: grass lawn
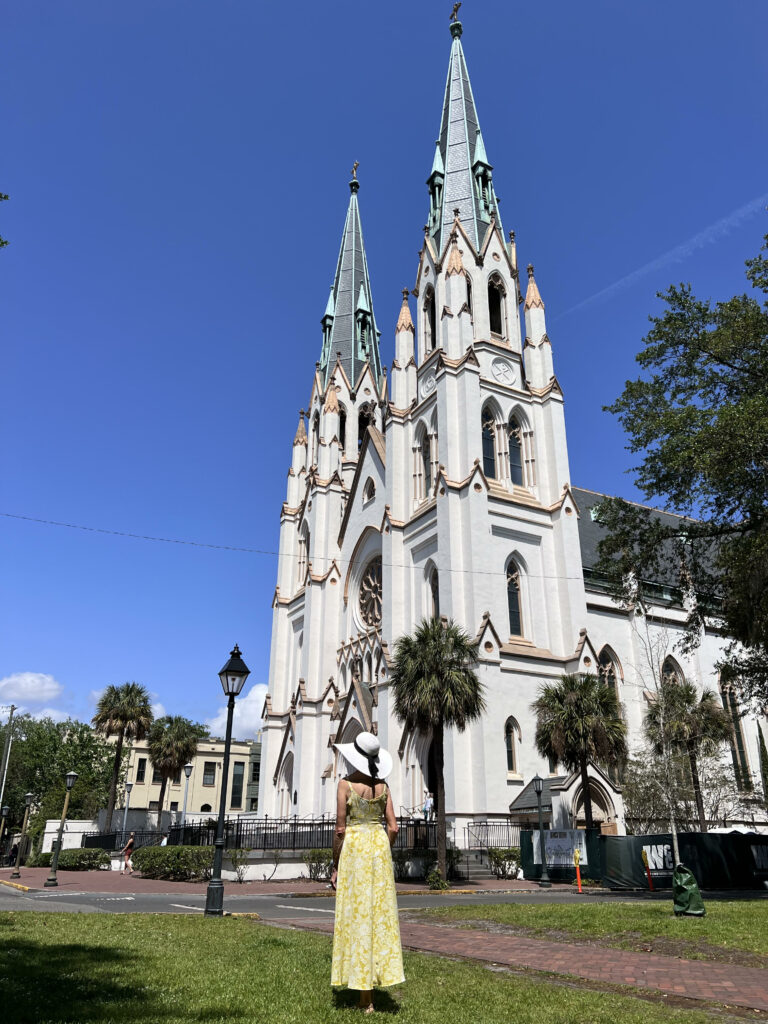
727	930
166	969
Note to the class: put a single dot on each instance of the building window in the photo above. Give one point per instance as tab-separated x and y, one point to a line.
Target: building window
141	769
511	733
671	672
496	307
607	670
430	325
469	295
238	774
369	492
489	444
738	747
255	766
205	809
364	420
176	780
209	773
513	600
515	453
154	805
156	776
303	555
342	428
426	464
254	803
174	805
434	590
370	593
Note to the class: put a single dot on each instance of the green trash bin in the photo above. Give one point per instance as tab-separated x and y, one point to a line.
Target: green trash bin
685	893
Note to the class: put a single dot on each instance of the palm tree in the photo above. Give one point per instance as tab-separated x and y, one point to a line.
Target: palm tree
578	720
688	724
172	742
126	712
434	686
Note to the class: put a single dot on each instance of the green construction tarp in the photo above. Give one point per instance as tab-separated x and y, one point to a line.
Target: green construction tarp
685	893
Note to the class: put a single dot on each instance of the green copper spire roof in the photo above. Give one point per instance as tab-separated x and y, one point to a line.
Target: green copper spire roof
349	325
461	175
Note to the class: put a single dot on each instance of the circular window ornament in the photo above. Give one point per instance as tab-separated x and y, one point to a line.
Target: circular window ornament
370	593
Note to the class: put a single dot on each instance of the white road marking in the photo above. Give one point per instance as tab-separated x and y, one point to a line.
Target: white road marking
58	895
184	906
112	899
310	910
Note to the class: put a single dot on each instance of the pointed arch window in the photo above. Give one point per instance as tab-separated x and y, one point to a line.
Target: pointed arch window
342	427
608	671
426	464
303	555
369	491
738	747
489	444
511	740
496	306
513	600
315	438
434	593
469	294
364	420
516	474
430	322
671	672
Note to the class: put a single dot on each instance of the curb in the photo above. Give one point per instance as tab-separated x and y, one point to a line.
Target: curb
14	885
425	892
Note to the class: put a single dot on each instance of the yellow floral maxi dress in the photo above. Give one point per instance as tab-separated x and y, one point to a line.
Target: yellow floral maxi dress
366	934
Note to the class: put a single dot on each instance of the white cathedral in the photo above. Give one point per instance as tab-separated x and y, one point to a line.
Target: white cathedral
444	488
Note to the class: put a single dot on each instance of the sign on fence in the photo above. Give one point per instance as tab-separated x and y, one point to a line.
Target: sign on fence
560	847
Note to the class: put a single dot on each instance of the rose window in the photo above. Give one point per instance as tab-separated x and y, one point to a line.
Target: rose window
370	593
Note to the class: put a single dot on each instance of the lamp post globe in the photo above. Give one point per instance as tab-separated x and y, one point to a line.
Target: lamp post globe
538	788
70	778
232	677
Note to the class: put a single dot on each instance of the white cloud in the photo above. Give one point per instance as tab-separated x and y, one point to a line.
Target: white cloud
95	696
158	709
29	688
247	718
55	713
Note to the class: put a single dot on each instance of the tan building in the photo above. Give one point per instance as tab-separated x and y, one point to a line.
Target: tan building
204	782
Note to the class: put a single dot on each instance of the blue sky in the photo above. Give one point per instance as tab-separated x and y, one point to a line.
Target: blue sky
178	179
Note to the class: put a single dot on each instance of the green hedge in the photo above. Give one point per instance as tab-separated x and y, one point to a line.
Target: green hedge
504	862
177	863
39	860
83	860
319	864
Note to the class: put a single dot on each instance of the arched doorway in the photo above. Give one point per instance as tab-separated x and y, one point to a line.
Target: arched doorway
285	789
602	806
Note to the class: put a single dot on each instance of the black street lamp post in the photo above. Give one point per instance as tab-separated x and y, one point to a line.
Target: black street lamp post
3	817
28	797
232	677
51	880
187	772
128	788
544	882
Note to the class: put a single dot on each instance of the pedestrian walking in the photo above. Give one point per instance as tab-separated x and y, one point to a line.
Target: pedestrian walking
126	853
366	935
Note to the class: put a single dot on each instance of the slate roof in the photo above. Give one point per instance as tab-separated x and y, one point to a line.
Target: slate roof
351	293
459	147
526	800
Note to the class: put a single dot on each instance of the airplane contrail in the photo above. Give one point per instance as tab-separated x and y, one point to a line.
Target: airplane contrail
679	253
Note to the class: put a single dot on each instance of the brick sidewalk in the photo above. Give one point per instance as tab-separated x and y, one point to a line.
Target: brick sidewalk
114	882
689	979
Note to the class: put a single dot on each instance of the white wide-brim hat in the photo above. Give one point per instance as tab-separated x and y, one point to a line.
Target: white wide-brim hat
365	754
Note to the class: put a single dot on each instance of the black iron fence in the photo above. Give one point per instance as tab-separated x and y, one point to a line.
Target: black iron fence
482	834
112	841
286	834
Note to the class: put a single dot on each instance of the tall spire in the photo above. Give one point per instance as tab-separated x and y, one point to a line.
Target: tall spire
461	175
349	325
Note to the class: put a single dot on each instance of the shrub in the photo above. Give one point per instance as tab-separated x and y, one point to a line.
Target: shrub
400	861
319	864
452	861
504	861
239	859
177	863
82	860
434	881
39	860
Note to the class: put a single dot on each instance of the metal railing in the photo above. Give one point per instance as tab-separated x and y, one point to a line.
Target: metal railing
482	834
116	840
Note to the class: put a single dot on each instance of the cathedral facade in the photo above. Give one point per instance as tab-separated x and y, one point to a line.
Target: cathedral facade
443	488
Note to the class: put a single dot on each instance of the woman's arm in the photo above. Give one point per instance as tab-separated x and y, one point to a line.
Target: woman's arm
341	821
391	820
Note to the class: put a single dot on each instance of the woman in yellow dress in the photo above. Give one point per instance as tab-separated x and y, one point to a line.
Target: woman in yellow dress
366	934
